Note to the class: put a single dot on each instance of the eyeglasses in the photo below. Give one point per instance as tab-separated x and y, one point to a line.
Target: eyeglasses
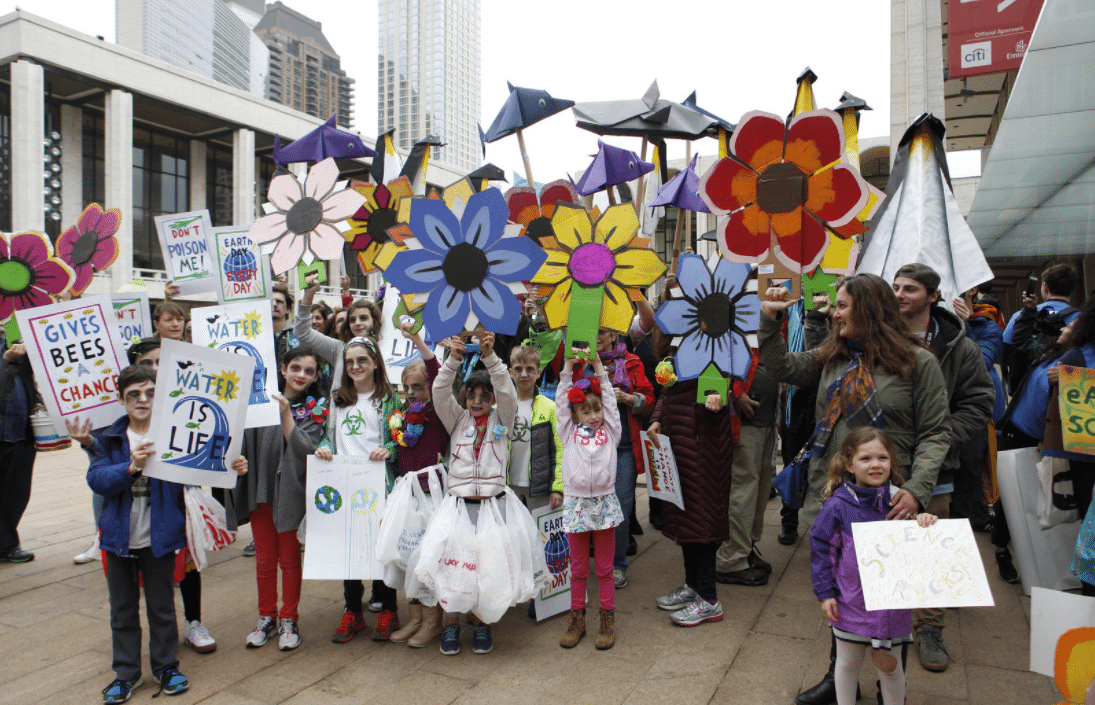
135	396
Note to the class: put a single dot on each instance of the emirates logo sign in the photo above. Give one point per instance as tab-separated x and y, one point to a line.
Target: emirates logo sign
1020	50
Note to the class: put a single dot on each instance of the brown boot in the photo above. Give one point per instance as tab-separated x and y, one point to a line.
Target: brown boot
430	631
576	629
607	638
414	623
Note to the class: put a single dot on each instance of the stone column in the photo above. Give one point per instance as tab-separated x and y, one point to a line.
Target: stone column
198	196
243	177
28	117
916	64
72	165
118	148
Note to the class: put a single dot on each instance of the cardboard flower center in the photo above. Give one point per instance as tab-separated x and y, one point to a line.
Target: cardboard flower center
781	188
540	228
465	267
304	215
84	248
715	311
15	277
592	264
379	221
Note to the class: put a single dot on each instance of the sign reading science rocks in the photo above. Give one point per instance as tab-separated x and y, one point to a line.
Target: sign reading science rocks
76	353
184	239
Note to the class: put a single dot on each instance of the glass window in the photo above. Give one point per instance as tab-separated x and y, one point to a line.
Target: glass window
161	186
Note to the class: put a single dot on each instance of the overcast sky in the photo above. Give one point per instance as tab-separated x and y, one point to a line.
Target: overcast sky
738	56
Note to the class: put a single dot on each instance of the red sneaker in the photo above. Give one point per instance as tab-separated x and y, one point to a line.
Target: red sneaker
352	623
386	623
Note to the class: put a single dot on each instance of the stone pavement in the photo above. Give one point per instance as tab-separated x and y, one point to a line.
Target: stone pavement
54	624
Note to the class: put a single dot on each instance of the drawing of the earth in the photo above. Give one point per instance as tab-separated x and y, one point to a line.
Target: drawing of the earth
328	500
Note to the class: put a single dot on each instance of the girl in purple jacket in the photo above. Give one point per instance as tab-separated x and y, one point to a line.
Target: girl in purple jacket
860	483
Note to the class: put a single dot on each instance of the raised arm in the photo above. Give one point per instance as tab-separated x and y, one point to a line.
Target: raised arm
444	403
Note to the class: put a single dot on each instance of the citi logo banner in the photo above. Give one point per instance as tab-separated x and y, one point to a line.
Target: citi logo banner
978	54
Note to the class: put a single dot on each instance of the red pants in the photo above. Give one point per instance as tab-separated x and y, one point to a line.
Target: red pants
604	547
272	550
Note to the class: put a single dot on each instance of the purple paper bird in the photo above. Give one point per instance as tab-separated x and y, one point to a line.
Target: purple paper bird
324	141
682	191
611	166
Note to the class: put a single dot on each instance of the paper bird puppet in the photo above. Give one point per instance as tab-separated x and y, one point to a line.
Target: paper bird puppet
649	116
523	107
319	144
611	166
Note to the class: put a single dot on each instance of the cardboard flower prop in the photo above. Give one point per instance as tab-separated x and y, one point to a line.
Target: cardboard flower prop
369	234
534	213
90	245
30	275
594	271
792	181
305	222
467	269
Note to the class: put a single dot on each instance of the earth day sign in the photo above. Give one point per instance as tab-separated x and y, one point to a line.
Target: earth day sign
243	272
184	240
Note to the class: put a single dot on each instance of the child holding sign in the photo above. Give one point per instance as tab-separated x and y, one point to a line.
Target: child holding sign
861	478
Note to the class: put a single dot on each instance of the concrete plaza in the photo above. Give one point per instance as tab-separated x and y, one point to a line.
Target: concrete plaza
54	622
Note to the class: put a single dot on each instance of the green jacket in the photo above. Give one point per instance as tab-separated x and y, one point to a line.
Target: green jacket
546	452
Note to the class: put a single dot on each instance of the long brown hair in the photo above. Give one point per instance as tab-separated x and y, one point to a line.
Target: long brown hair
344	332
347	393
887	343
840	465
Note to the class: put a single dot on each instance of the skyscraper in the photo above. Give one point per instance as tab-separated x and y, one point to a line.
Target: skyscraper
428	76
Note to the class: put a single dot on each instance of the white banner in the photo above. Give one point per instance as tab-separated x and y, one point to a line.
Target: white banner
662	479
555	597
344	503
184	241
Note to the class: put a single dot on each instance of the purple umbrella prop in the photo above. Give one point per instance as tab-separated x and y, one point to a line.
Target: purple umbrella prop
324	141
681	191
611	166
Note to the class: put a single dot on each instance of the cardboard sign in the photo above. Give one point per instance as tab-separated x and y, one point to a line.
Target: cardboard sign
184	240
662	480
903	566
76	354
318	267
245	328
555	596
399	351
1077	405
199	414
1052	613
133	316
243	272
344	503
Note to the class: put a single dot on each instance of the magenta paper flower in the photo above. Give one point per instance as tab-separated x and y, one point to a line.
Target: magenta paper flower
306	222
90	246
29	273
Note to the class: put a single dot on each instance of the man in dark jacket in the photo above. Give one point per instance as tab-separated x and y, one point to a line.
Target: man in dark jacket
17	398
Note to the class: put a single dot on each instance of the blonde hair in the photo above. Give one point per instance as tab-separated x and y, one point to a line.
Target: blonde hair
418	366
840	466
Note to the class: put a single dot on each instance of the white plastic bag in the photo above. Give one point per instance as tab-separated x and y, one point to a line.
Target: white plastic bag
457	571
410	542
498	565
398	511
1053	472
534	575
206	528
433	545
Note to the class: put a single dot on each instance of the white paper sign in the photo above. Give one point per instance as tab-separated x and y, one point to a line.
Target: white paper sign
187	256
662	479
555	597
199	414
76	354
245	328
134	318
903	566
344	503
1053	613
243	272
398	351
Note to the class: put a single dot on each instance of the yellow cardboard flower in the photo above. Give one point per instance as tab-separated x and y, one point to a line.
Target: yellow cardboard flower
370	235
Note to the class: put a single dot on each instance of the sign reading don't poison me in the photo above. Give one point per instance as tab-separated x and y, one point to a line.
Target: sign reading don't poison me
184	239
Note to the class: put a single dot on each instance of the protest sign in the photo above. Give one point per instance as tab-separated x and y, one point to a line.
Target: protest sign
344	503
398	351
245	328
199	414
133	317
184	240
662	479
1052	613
243	273
76	354
555	596
904	566
1077	407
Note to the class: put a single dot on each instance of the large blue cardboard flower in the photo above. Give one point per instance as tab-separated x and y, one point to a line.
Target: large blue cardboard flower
467	269
714	315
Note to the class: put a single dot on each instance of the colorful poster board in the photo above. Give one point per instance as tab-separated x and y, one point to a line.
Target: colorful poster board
76	354
554	598
318	267
904	566
399	351
133	316
187	256
199	414
243	272
1052	613
662	479
1077	385
344	503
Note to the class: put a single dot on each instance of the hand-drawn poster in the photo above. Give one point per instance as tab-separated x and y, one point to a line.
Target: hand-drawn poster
133	316
76	354
243	272
184	240
1078	409
1052	613
399	351
199	414
662	479
344	503
903	566
555	597
245	328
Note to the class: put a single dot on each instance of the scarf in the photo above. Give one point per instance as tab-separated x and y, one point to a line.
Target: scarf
480	432
615	363
852	396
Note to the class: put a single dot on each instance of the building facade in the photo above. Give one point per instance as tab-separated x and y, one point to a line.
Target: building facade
428	76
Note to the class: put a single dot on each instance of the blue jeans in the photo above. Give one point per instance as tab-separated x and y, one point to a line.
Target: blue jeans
625	492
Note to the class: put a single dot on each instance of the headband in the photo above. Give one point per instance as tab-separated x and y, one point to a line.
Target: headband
362	340
577	393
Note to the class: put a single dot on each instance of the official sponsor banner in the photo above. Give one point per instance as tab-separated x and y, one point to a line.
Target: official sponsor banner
988	36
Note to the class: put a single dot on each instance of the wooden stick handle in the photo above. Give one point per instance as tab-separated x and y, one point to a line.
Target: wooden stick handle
524	158
677	240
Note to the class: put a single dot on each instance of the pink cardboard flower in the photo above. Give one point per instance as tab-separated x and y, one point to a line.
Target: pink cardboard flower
304	222
90	246
29	273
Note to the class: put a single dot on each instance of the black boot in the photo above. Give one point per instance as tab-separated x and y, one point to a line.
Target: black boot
824	693
789	531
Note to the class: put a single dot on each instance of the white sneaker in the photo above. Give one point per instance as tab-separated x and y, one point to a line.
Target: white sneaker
198	637
265	629
290	635
91	554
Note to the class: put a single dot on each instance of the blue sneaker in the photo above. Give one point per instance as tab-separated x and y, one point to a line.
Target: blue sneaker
120	690
172	682
450	639
481	641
